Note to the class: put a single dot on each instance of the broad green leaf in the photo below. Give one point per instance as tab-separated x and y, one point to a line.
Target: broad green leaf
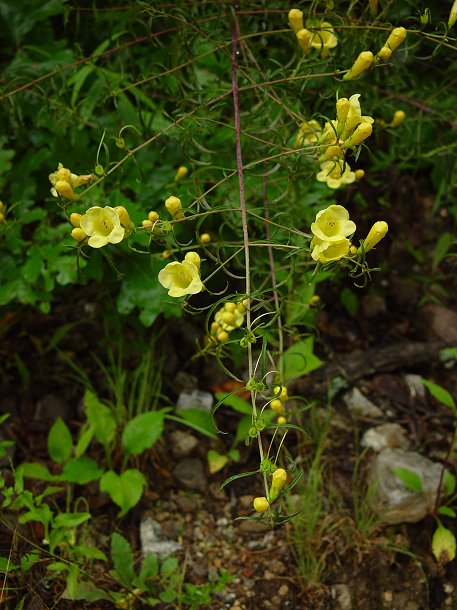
6	565
125	489
447	512
86	591
440	394
442	248
299	359
81	471
449	483
34	470
169	566
60	443
235	402
101	418
84	438
149	567
410	478
71	519
143	431
216	461
122	556
197	420
443	545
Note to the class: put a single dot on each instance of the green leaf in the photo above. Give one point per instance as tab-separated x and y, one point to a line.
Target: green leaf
86	591
299	359
242	429
235	402
84	438
122	556
81	471
6	565
101	418
125	489
449	483
143	431
216	461
169	566
442	248
238	476
443	545
349	301
440	394
60	443
447	511
197	420
34	470
71	519
149	567
410	478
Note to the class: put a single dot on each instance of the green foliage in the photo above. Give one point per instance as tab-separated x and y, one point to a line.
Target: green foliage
410	478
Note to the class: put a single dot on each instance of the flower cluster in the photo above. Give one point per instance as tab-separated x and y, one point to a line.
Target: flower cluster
331	231
63	182
316	35
279	479
366	59
182	278
346	132
229	317
278	403
101	226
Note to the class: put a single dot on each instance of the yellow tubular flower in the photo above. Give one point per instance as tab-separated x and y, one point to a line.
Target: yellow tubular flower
181	173
342	110
304	39
354	118
296	19
308	133
384	54
278	482
328	252
377	232
335	173
103	226
76	181
396	37
399	117
324	38
361	133
452	15
261	504
182	278
64	189
78	234
75	219
361	65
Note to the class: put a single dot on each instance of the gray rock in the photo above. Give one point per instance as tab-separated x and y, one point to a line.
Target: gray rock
342	596
395	502
154	541
415	385
386	435
183	443
358	404
197	399
190	474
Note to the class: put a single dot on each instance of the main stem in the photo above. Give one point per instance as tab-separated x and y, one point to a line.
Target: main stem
244	219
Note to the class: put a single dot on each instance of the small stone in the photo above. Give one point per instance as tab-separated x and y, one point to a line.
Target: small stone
182	443
386	435
387	596
415	386
342	595
197	399
154	541
252	527
448	588
188	504
246	502
283	590
190	474
358	404
440	322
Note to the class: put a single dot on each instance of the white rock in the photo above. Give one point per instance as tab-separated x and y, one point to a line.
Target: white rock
386	435
358	404
197	399
154	541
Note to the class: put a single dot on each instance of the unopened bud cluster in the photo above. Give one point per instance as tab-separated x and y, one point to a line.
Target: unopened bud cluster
278	481
278	403
229	317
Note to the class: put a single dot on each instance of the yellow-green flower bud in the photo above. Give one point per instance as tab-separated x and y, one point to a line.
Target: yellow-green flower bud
261	504
124	217
193	257
214	327
277	406
361	133
361	65
315	299
399	117
396	37
173	205
384	54
166	254
281	420
181	173
377	232
282	391
78	234
228	318
452	15
222	336
205	238
278	482
64	189
147	225
75	219
153	216
2	217
304	39
353	250
359	174
296	19
230	306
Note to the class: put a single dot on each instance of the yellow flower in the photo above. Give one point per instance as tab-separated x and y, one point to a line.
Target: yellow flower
277	406
399	117
103	226
335	173
377	232
360	134
308	133
194	258
396	37
353	118
361	65
229	318
304	37
181	278
75	219
384	54
63	182
281	420
174	205
452	15
332	224
181	173
278	482
78	234
205	238
329	251
261	504
296	19
324	38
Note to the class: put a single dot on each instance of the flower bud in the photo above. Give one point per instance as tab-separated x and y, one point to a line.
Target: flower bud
166	254
281	420
173	205
153	216
205	238
361	65
304	39
377	232
396	37
193	257
278	482
2	217
76	181
181	173
78	234
361	133
315	299
124	217
342	109
64	189
277	406
452	15
296	19
282	391
230	306
384	54
331	152
353	250
222	336
228	318
359	174
261	504
399	117
147	225
75	219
